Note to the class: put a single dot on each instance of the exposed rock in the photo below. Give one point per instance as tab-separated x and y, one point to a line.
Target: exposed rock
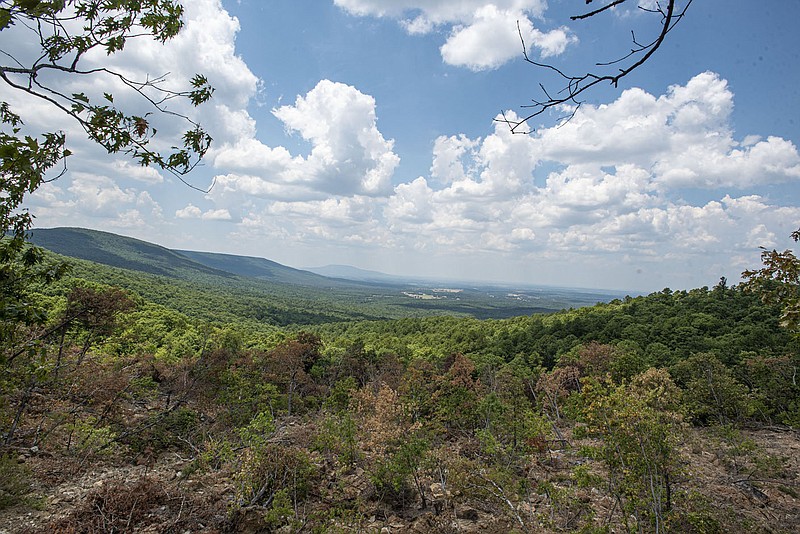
438	492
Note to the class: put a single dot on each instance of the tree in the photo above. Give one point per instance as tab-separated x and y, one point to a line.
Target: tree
574	86
778	282
290	363
640	430
66	31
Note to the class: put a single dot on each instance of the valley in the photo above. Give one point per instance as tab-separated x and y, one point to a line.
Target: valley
195	283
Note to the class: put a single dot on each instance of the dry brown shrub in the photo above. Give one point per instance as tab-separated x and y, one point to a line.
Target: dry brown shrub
554	387
383	420
115	506
95	383
123	506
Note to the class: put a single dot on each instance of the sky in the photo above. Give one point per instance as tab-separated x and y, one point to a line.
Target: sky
364	132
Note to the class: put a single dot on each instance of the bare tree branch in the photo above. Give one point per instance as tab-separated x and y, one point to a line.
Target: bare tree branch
576	85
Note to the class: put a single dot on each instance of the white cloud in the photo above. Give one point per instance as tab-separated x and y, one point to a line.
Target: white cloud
349	155
412	202
189	212
127	169
449	155
94	201
493	38
193	212
100	195
684	136
217	215
333	212
585	190
482	35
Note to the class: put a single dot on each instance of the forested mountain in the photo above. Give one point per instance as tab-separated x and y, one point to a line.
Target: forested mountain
119	251
136	255
261	268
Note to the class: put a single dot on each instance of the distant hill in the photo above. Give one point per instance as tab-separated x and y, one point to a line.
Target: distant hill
348	272
260	268
136	255
120	251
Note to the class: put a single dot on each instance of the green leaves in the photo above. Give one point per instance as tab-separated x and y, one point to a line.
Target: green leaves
202	90
23	164
5	18
778	282
108	25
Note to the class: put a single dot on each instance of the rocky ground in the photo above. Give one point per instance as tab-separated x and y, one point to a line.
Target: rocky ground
166	493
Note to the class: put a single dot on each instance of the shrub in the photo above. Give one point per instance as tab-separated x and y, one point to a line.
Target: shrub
339	436
272	468
114	507
712	392
14	482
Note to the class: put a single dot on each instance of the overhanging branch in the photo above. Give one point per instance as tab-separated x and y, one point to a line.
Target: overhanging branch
576	85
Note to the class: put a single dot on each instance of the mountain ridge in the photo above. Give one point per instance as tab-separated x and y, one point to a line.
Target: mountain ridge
138	255
117	251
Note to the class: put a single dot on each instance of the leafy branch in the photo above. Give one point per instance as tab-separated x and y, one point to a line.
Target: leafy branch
66	31
778	282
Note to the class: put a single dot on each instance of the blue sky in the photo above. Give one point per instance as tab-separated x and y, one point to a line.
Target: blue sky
362	132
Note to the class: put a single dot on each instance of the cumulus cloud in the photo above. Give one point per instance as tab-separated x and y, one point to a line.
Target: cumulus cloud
620	173
127	169
94	200
193	212
349	155
189	212
482	35
351	221
412	202
453	158
684	137
493	38
100	195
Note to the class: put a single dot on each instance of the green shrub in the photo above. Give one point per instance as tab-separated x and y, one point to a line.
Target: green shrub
268	470
15	482
88	437
712	393
338	436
